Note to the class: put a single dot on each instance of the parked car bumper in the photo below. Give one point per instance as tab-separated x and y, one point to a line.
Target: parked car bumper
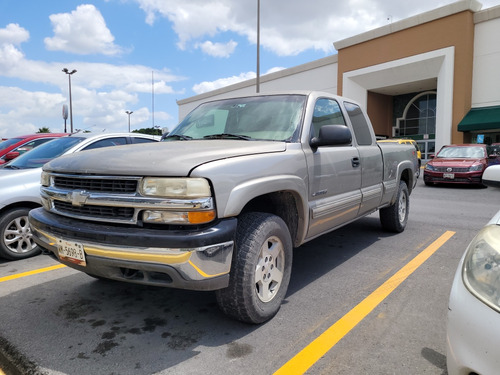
196	260
458	178
472	332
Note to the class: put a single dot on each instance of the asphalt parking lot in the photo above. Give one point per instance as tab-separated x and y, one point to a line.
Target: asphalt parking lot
360	301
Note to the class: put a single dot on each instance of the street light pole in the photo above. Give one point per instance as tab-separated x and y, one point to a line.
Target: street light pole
129	113
70	104
257	81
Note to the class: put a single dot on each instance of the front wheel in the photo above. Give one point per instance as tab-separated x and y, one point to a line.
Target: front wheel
16	238
260	271
395	217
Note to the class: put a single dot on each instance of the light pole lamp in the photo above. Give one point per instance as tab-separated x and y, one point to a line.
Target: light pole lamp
70	104
129	113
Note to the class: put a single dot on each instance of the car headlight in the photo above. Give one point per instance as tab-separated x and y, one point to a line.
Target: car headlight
476	167
176	188
430	167
481	272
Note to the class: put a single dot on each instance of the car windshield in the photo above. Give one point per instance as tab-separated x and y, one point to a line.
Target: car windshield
43	153
9	142
462	152
273	118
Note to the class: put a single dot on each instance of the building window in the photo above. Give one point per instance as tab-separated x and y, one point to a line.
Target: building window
419	118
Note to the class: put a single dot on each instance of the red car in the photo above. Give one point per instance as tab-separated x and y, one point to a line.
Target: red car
457	164
13	147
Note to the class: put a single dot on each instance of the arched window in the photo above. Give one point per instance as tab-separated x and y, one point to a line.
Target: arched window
419	117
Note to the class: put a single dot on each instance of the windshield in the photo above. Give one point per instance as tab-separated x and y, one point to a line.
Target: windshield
273	118
9	142
462	152
43	153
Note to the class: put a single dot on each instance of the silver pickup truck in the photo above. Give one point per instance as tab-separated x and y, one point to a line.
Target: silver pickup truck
223	200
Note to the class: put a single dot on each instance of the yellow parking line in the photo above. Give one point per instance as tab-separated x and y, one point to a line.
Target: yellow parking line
29	273
308	356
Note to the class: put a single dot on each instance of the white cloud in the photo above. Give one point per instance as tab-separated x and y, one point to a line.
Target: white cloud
206	86
83	31
217	49
13	34
287	27
27	110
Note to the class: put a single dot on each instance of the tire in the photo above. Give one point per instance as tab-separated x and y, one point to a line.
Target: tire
260	270
395	217
16	238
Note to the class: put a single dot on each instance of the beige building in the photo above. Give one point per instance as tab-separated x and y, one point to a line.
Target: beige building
433	77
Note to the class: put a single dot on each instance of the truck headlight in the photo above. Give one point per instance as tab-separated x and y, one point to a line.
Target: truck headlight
177	188
481	272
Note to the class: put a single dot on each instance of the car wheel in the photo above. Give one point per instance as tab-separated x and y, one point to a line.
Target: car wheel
260	271
395	217
17	240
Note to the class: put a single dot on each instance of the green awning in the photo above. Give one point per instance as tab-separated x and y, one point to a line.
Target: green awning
485	118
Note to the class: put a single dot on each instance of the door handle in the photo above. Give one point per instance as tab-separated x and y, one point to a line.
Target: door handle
355	162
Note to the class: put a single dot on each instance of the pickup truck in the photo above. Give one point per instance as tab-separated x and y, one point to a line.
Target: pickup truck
223	200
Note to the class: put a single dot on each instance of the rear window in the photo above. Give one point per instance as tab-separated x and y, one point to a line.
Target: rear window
359	124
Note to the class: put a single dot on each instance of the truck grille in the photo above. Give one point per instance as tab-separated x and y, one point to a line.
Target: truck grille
96	184
103	212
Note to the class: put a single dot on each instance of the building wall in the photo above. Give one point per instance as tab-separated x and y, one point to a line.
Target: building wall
486	71
380	108
456	30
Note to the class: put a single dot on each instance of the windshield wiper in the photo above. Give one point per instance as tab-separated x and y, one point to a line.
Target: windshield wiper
227	136
11	167
179	136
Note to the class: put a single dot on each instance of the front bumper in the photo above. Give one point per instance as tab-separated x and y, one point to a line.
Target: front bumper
458	177
196	260
472	333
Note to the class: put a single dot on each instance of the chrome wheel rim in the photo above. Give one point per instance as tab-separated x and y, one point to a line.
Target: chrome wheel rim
269	269
18	237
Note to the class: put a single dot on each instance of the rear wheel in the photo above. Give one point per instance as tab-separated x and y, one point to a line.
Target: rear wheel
395	217
260	271
16	238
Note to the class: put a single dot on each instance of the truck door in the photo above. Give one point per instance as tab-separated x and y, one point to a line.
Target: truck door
334	175
370	157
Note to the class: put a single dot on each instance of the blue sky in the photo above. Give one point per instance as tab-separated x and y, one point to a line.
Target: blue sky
120	48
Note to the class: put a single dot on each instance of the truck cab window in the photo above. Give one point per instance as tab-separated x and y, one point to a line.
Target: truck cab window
359	124
326	112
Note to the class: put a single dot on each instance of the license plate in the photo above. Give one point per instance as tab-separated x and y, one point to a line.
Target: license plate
449	175
71	251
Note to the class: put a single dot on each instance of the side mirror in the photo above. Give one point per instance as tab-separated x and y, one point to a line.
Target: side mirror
431	156
332	135
12	155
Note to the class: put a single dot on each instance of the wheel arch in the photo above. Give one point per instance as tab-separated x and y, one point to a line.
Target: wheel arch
21	204
283	197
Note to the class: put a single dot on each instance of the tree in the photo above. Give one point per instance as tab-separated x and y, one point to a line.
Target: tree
43	130
152	131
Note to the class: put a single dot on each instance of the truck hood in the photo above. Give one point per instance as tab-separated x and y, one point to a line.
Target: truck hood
176	158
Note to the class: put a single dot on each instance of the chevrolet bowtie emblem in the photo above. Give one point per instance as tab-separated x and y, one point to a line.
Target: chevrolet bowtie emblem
78	198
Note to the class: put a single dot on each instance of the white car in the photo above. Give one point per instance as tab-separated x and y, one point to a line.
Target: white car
473	332
20	185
